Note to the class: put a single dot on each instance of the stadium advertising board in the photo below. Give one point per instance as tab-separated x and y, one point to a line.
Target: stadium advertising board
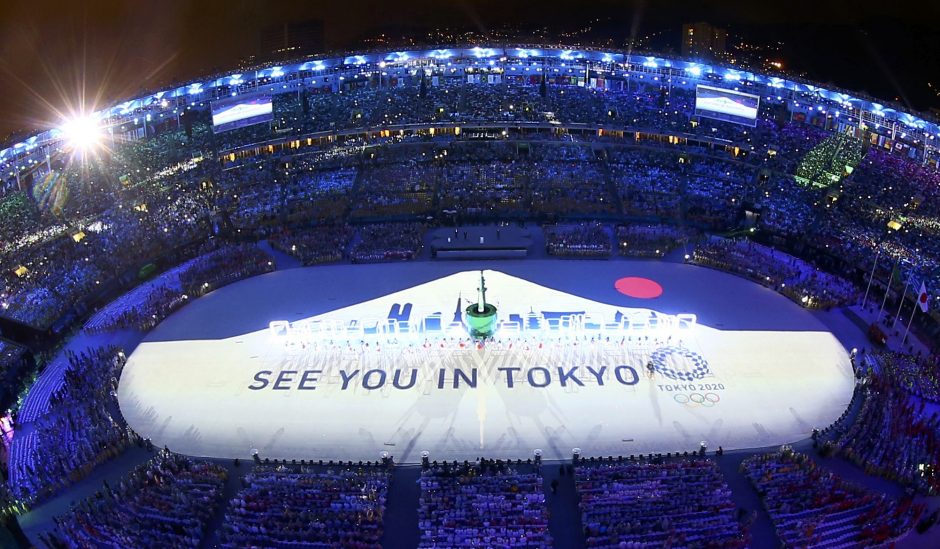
727	105
241	111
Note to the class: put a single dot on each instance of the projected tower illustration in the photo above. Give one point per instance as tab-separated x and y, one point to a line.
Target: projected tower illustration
481	316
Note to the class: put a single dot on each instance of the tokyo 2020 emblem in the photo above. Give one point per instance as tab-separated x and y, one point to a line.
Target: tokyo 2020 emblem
679	363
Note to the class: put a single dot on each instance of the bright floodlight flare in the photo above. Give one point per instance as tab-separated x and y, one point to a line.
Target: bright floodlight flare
82	133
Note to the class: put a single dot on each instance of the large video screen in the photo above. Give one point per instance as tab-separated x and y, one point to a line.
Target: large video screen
241	111
728	105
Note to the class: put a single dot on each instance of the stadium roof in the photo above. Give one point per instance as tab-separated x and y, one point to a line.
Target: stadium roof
690	69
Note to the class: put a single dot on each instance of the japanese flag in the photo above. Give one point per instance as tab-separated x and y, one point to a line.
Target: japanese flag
922	297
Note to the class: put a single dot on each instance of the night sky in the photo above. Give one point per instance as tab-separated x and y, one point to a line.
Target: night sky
121	48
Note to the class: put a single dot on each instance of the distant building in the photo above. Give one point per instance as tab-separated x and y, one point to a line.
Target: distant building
290	40
703	40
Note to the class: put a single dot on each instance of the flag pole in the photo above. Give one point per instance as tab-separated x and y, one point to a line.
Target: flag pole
903	295
888	289
872	275
909	324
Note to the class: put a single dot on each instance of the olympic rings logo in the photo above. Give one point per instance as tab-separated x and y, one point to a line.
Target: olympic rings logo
694	400
699	364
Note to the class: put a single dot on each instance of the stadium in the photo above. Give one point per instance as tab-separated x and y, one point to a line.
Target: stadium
495	296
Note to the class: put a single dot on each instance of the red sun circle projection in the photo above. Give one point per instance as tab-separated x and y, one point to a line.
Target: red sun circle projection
641	288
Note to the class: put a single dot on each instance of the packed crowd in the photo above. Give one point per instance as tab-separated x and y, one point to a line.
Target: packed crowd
81	427
916	374
149	303
253	196
791	276
489	504
263	196
668	504
404	190
140	309
291	507
455	100
885	188
570	189
48	271
894	437
166	197
19	214
715	191
647	183
578	240
646	240
387	241
13	361
786	208
168	191
224	266
315	246
895	183
811	507
166	502
788	144
317	193
484	189
830	161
